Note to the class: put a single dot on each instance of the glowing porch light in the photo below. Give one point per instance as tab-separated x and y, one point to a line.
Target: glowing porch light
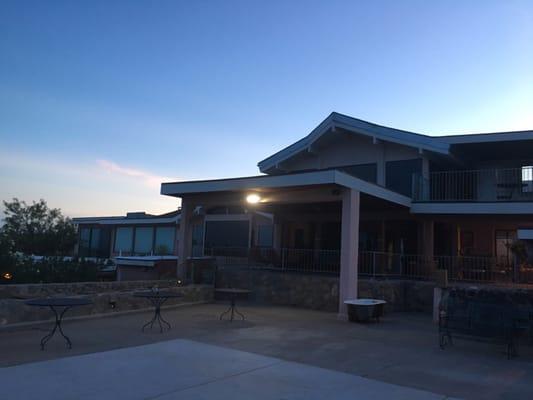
253	198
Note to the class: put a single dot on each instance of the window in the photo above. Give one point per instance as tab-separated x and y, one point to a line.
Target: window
227	234
367	172
143	240
164	240
85	241
264	235
94	242
123	240
197	240
399	175
95	239
527	179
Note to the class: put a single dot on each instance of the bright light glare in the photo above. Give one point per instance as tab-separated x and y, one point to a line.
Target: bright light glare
253	198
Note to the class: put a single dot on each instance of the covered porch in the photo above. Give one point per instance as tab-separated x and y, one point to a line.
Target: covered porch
314	221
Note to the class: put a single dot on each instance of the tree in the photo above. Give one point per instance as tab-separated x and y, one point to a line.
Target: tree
37	229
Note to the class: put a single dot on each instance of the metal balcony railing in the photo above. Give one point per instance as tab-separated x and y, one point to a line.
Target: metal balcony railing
284	259
375	264
511	184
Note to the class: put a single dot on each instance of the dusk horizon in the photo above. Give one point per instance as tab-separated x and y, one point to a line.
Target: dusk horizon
101	103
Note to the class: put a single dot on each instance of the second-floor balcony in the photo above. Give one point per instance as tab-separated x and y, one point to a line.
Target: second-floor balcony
483	185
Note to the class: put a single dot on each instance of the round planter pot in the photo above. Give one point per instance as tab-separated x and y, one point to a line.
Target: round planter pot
364	310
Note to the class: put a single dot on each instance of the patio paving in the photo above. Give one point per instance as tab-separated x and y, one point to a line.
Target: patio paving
401	351
180	369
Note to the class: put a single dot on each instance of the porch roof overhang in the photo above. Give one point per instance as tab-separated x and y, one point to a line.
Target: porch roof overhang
272	182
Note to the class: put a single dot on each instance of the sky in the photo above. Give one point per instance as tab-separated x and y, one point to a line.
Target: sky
101	101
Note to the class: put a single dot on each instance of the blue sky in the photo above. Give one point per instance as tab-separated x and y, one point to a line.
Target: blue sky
100	101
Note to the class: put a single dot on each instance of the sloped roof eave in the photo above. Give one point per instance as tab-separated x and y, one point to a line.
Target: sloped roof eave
359	127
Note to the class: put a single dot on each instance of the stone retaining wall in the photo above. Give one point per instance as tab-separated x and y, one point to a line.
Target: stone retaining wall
321	292
108	298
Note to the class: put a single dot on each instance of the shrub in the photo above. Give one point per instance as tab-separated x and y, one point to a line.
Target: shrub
47	270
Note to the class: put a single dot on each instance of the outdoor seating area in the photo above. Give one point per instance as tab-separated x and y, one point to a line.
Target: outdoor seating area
401	350
484	315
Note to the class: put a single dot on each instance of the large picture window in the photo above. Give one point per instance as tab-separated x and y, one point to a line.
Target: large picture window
164	240
143	240
399	175
94	242
227	234
85	242
95	239
123	240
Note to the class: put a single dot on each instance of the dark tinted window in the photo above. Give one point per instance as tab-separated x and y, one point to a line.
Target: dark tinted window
399	175
367	172
164	240
226	234
264	235
94	242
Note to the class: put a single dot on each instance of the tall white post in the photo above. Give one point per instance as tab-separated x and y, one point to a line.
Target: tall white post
351	200
185	239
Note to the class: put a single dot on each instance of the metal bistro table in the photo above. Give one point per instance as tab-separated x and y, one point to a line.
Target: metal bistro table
233	293
157	298
55	303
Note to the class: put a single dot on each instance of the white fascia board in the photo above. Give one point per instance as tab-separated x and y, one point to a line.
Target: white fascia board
526	234
126	221
249	183
289	180
134	263
264	214
488	137
227	217
297	146
473	208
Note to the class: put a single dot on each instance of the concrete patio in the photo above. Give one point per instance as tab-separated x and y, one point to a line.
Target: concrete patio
276	353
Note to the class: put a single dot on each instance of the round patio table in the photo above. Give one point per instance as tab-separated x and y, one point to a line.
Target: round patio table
157	298
59	306
233	293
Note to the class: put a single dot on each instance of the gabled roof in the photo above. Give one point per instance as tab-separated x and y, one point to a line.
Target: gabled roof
435	144
357	126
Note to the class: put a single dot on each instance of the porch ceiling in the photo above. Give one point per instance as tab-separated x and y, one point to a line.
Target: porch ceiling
281	183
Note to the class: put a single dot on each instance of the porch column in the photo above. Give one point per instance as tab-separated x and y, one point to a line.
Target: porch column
382	237
427	238
349	248
278	231
185	238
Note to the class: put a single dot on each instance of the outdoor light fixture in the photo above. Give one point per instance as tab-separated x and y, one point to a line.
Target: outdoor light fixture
253	198
7	276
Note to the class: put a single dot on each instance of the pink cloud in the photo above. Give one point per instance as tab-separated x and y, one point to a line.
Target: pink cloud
149	179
